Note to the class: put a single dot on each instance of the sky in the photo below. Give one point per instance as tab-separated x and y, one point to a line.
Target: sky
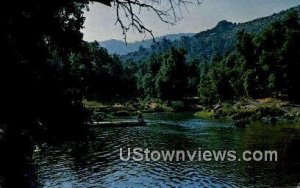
100	19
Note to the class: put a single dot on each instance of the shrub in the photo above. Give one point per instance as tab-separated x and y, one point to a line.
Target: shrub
205	114
178	106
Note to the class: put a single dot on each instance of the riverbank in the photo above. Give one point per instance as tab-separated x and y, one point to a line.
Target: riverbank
266	110
104	110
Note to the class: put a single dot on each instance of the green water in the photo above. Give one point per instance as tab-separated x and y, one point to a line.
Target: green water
95	161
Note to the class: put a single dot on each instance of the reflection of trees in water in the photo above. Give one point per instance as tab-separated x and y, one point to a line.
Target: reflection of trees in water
285	139
16	166
82	158
98	154
95	157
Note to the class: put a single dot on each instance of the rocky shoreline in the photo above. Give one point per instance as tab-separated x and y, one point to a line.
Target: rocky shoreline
241	112
244	111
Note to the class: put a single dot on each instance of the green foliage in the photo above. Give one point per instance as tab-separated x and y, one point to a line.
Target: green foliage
48	69
103	76
261	65
171	78
203	45
164	76
38	40
178	106
205	114
269	110
258	65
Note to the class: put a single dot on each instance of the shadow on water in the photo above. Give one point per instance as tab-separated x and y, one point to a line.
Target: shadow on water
16	169
17	147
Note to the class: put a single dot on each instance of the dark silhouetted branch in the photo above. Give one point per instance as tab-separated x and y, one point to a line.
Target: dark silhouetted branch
128	12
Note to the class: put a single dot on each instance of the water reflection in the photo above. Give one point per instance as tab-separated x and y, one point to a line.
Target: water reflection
16	167
95	161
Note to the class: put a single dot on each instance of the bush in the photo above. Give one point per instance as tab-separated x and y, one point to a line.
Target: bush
205	114
273	111
178	106
228	109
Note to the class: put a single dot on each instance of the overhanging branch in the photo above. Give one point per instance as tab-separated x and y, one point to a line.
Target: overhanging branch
128	12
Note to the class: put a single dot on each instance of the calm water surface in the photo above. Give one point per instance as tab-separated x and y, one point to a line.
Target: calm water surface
94	161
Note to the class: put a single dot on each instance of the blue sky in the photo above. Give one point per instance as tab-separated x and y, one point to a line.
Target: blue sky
100	20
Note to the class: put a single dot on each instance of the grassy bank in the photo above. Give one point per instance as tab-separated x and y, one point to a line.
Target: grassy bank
268	110
104	110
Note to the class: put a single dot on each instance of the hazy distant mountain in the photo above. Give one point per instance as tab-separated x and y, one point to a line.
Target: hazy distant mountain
204	45
120	47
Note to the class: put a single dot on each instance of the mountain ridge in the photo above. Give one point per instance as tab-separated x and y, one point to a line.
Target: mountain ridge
203	45
119	47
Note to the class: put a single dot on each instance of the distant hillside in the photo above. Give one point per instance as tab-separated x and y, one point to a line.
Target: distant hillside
204	45
120	47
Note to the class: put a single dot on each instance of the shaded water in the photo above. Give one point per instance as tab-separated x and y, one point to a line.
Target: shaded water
94	162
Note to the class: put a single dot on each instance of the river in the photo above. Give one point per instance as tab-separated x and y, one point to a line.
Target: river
95	160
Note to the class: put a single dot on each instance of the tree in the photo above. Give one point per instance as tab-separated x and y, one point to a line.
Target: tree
40	87
147	77
193	77
171	81
40	39
291	55
261	65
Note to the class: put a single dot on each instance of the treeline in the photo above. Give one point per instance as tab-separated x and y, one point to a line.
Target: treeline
100	75
221	39
37	39
168	76
260	65
103	76
47	69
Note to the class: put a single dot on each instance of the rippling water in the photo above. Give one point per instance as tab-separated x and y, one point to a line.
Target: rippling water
94	161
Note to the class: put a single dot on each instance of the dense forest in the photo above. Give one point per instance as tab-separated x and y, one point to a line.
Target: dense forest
203	45
263	64
47	70
55	74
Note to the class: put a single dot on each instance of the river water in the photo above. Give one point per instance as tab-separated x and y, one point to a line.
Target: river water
95	160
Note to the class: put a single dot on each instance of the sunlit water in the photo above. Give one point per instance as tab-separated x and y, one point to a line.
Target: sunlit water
95	161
